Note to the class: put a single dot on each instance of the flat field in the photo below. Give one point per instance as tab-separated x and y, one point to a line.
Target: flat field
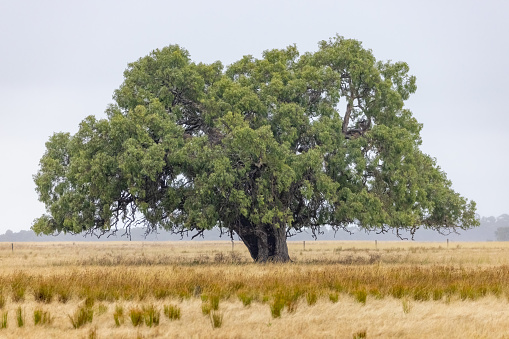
332	289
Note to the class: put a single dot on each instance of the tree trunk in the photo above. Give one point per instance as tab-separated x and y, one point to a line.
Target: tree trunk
266	242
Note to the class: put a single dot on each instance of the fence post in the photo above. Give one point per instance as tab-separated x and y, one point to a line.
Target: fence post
447	243
304	243
376	245
12	247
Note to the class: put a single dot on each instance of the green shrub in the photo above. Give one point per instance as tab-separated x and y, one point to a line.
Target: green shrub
334	297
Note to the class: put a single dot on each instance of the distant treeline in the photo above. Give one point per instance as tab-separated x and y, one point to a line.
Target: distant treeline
491	229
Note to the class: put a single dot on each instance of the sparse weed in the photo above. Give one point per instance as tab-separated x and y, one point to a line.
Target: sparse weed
2	301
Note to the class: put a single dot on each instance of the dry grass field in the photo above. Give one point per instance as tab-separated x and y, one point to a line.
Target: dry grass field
336	289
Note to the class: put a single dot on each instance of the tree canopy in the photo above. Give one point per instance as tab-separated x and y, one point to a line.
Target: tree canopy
261	148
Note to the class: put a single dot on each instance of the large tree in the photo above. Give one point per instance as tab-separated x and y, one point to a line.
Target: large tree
262	149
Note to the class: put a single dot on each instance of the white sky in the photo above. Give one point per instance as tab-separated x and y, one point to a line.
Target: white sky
61	61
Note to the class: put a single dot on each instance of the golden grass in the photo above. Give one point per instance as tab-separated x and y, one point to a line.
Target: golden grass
332	289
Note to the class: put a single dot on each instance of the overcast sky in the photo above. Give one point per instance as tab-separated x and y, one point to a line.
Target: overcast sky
61	61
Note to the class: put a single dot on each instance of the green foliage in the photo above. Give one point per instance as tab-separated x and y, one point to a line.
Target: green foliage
285	141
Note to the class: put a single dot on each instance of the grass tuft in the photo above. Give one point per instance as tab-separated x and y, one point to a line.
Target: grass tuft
151	315
407	307
44	293
277	306
82	316
3	319
20	317
172	312
360	335
216	319
41	317
118	316
311	298
361	296
136	316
